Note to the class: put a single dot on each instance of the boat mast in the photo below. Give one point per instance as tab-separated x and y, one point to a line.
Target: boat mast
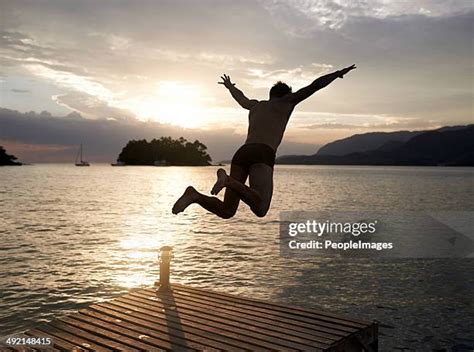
77	155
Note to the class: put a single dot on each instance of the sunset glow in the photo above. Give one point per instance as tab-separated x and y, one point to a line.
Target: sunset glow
173	102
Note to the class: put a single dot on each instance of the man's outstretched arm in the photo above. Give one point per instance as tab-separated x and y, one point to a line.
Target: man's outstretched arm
317	84
237	94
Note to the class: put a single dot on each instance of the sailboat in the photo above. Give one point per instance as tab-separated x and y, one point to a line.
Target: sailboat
79	156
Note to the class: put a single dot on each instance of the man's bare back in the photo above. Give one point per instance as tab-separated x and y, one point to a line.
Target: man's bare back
267	122
255	159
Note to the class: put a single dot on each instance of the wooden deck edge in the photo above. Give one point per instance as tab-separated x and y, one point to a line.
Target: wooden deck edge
362	337
269	304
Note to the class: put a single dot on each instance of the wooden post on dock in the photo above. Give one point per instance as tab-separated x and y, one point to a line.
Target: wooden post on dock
165	258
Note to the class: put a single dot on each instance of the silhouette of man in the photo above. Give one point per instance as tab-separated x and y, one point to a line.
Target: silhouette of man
255	159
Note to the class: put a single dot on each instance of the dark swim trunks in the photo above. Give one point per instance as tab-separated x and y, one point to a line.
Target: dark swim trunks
254	153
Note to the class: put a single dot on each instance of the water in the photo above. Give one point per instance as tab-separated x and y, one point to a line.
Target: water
72	236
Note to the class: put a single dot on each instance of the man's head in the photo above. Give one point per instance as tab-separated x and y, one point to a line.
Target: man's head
279	90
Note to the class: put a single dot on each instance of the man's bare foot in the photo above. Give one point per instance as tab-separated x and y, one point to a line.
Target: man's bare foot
220	183
185	200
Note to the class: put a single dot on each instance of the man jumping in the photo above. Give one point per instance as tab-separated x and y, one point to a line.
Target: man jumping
256	158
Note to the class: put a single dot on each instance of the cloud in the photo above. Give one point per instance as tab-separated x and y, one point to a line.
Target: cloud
299	76
106	59
334	121
91	106
334	14
390	126
44	138
72	81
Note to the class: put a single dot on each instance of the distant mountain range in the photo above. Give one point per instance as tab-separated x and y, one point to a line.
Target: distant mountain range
448	146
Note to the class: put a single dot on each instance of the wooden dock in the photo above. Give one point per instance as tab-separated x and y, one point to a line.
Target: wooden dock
182	318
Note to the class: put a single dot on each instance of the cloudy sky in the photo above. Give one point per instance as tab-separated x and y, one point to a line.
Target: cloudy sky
103	72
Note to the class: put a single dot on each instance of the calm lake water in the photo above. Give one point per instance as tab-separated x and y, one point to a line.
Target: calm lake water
72	236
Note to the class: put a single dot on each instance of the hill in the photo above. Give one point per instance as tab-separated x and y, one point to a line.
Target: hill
165	151
449	146
370	141
7	159
364	142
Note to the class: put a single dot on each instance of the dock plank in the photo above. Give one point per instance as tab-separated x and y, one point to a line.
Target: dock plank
166	338
217	326
257	322
89	334
259	305
195	319
238	323
80	337
181	322
262	303
237	317
193	340
276	325
132	330
266	316
124	335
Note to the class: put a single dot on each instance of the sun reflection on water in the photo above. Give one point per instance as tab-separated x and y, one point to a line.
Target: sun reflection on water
129	280
137	255
139	243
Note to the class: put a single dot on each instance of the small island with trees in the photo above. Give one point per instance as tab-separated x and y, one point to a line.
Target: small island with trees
7	159
164	151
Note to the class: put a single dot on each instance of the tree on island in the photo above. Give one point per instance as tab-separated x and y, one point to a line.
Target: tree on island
165	151
7	159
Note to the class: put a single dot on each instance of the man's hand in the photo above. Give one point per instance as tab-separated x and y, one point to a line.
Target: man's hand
226	81
346	70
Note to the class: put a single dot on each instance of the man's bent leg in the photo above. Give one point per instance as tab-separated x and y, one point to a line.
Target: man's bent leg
215	206
225	209
245	193
212	204
231	197
228	208
259	194
261	181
